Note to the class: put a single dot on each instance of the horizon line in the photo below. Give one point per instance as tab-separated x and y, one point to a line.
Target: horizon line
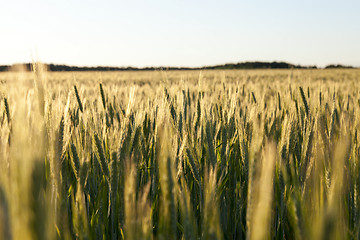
183	66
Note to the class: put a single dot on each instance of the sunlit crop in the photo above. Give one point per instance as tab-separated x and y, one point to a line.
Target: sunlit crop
261	154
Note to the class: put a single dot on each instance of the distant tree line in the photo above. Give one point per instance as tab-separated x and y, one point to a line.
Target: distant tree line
67	68
242	65
258	65
3	68
53	67
338	66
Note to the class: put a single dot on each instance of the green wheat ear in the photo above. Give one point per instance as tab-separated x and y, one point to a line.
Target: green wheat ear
102	96
303	97
100	155
7	111
210	144
253	97
75	163
78	99
279	101
83	174
193	167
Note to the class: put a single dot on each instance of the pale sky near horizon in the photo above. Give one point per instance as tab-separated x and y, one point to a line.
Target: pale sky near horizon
179	32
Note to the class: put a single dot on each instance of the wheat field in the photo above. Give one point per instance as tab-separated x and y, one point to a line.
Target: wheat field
236	154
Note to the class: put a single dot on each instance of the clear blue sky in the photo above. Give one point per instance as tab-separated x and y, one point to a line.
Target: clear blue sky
179	32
